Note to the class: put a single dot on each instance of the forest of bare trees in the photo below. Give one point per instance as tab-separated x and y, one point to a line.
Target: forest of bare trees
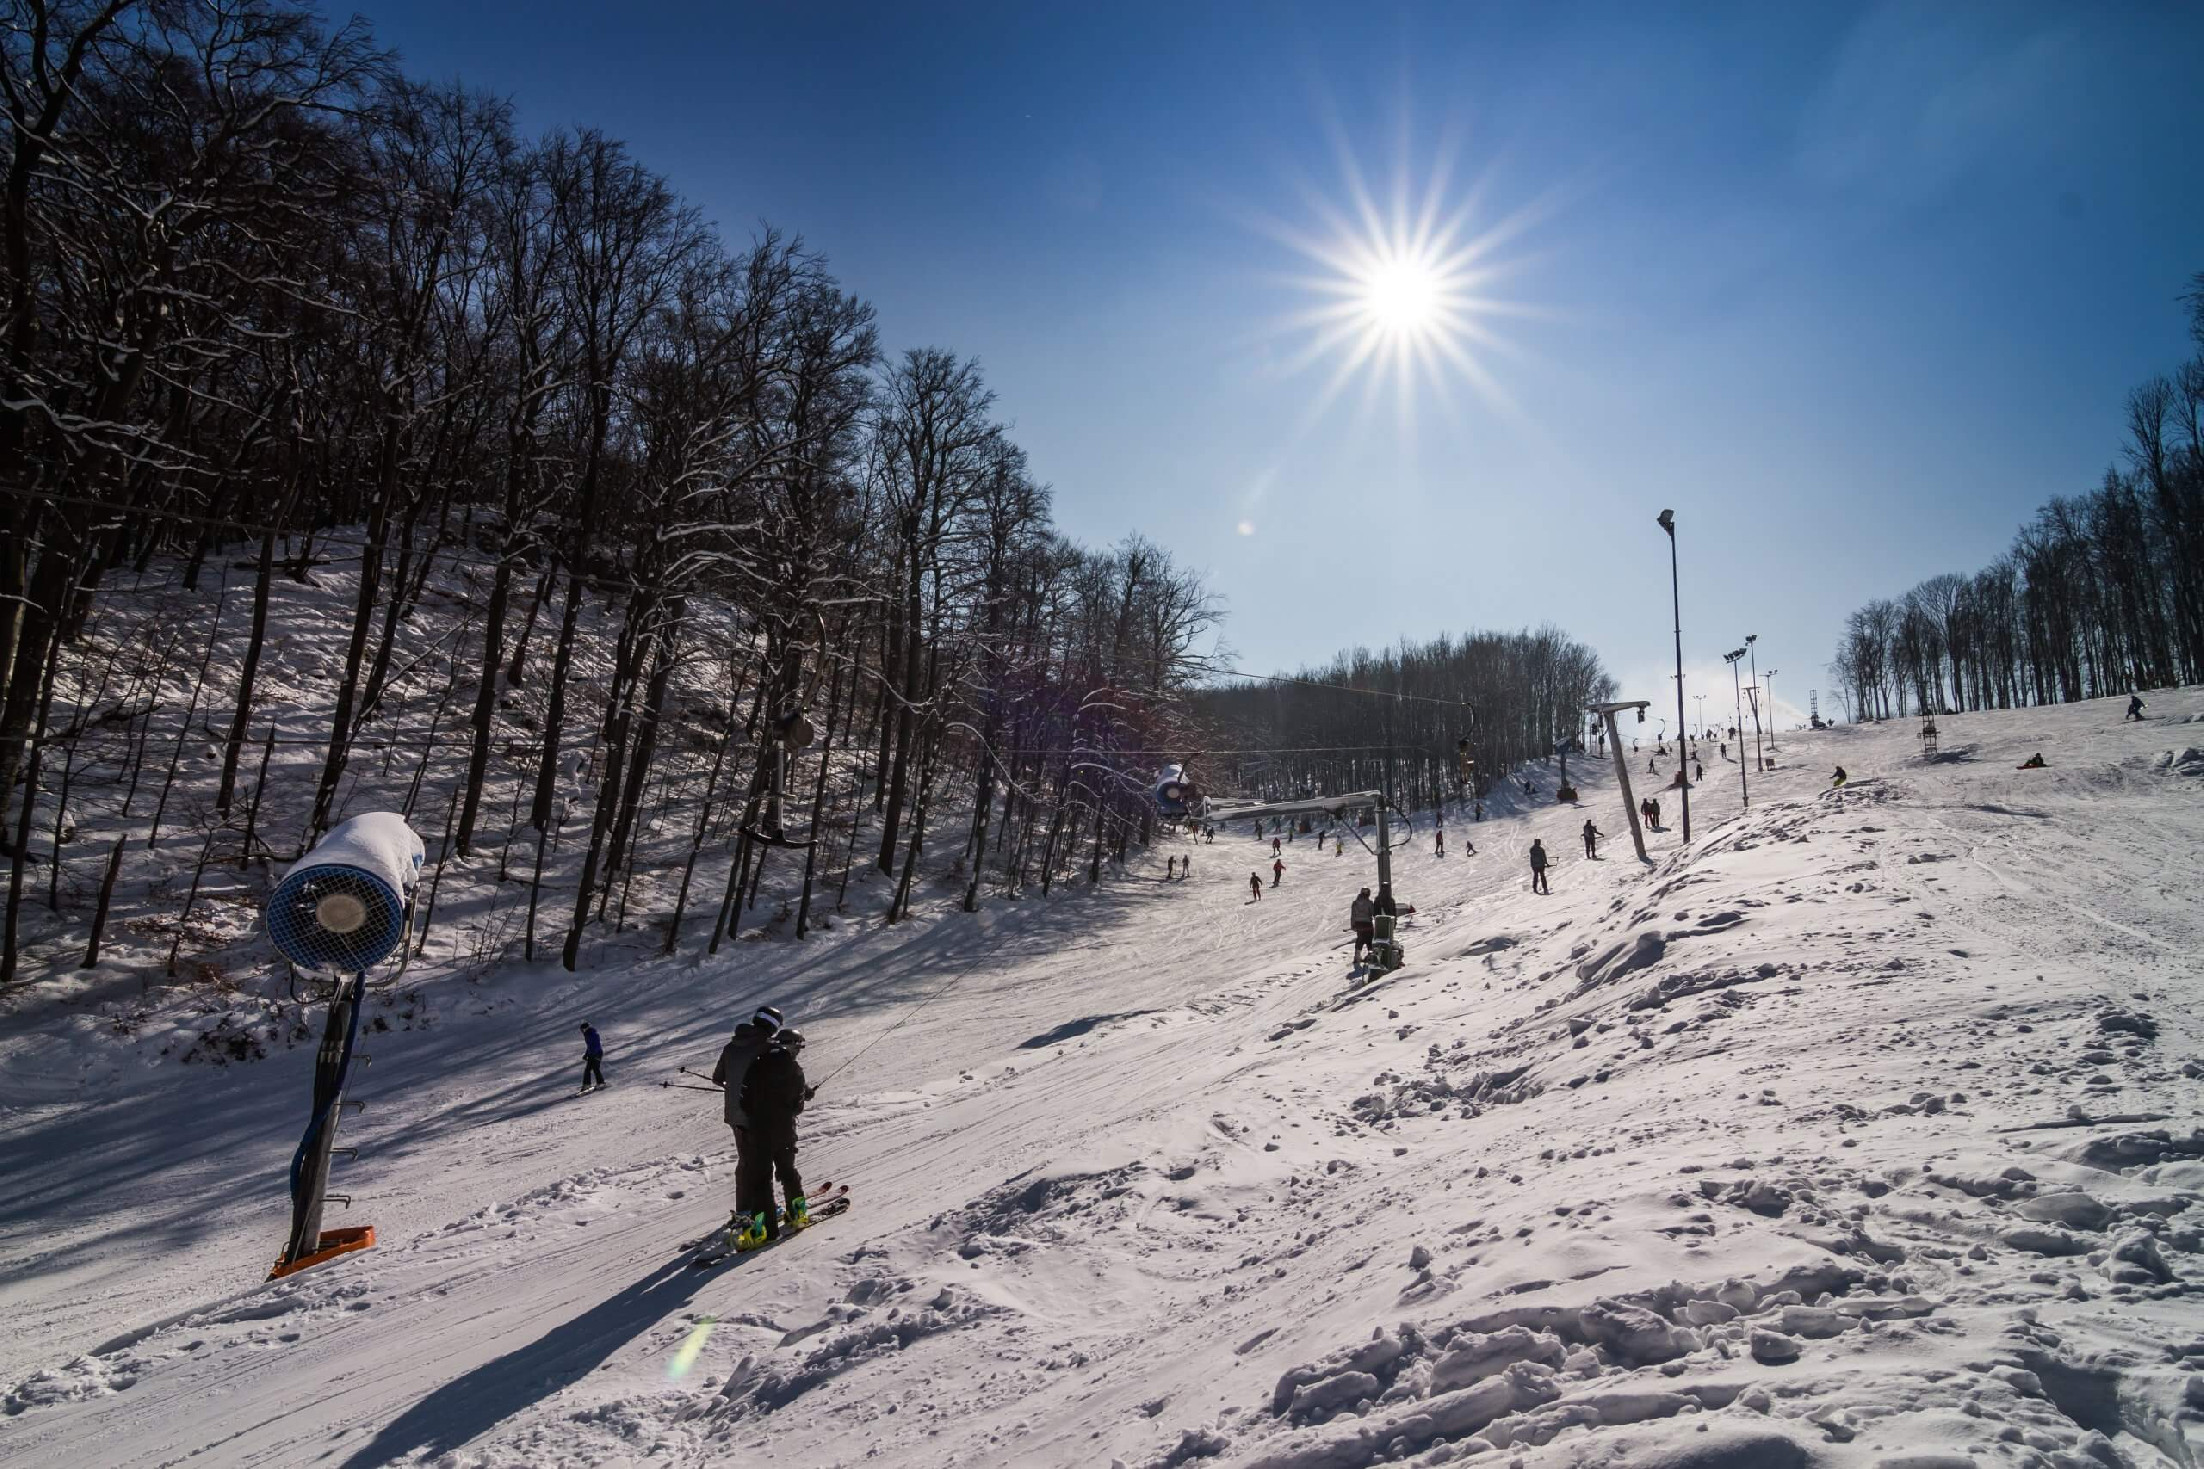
1515	697
358	452
274	309
2100	594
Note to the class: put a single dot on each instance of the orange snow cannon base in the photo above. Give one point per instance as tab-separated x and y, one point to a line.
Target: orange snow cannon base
333	1242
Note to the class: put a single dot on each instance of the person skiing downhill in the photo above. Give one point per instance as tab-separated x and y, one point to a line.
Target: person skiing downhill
1362	918
1277	870
1538	867
593	1058
1837	782
1276	846
1255	886
773	1093
750	1041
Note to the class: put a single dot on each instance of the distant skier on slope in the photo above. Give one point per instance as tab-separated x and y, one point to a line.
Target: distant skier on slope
1277	870
1538	867
1170	868
2134	709
593	1058
1362	918
2033	762
1276	846
1653	808
1439	842
1837	784
773	1093
1255	886
1592	834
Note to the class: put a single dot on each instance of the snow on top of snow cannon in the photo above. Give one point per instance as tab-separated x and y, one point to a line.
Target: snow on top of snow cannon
342	907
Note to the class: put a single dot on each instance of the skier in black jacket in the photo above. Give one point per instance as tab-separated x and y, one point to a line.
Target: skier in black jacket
750	1041
773	1092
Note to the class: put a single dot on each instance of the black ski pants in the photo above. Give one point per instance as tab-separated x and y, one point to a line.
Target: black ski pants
758	1162
593	1068
1538	880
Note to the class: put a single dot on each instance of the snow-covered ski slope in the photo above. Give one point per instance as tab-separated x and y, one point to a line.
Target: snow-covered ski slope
1773	1153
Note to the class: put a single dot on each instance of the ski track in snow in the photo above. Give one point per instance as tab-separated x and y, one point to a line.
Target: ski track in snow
1773	1152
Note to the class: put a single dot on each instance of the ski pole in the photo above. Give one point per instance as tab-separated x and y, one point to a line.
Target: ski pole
700	1076
684	1086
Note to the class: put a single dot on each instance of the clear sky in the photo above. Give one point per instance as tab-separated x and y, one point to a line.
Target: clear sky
1852	289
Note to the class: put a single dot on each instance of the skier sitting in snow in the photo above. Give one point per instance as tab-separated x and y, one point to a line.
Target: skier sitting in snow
593	1058
2033	762
1362	917
2134	709
773	1092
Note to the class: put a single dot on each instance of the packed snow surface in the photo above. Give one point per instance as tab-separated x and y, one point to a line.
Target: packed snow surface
1862	1131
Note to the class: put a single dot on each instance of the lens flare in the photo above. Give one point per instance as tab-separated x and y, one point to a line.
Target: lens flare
691	1348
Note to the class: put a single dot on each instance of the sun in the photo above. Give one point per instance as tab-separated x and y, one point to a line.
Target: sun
1407	287
1403	297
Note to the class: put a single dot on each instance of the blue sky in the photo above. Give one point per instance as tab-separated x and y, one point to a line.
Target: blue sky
1852	289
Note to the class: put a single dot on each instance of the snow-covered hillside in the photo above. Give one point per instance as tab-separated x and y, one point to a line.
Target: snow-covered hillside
1862	1132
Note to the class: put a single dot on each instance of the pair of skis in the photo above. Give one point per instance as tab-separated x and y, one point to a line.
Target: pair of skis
718	1247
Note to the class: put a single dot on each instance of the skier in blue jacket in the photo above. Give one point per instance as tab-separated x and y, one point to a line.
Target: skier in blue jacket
593	1058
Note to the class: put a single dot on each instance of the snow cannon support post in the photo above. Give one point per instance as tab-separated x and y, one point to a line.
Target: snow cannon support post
310	1244
1622	765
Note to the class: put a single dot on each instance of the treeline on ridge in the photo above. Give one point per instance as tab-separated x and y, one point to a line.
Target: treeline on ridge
2100	594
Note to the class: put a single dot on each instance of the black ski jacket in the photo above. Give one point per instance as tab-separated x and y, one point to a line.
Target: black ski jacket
772	1094
734	1064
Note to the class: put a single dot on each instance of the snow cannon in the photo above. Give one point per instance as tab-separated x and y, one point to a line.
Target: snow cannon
1175	795
342	907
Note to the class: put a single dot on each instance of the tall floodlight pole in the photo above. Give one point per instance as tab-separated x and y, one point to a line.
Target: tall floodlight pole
1676	604
1752	656
1701	701
1744	791
1770	677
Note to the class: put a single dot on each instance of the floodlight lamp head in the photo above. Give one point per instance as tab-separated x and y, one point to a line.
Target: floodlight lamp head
1668	522
1751	638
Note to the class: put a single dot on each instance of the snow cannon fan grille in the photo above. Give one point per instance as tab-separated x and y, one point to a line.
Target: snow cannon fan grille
336	919
343	908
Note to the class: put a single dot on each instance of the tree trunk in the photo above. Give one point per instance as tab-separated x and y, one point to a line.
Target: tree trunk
248	679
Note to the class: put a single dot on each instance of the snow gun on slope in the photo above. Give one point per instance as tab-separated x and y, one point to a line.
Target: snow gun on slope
343	908
1176	797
